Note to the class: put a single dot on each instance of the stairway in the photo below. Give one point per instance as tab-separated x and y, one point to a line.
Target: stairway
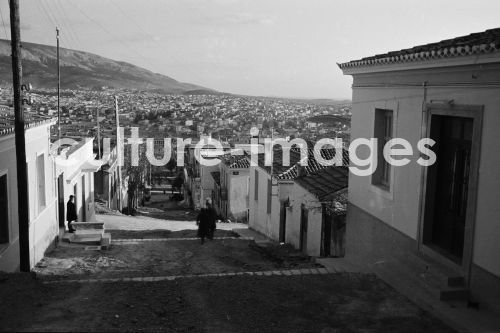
423	278
89	233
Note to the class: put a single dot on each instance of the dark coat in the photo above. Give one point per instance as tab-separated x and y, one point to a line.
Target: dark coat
71	212
206	221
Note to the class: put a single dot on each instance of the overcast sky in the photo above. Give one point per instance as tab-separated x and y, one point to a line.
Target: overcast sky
254	47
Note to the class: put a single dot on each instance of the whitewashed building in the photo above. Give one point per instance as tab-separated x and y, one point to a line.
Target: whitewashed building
75	168
42	191
446	215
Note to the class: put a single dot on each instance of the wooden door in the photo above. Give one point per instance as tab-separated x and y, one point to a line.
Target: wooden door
303	228
84	201
282	232
60	200
448	183
326	233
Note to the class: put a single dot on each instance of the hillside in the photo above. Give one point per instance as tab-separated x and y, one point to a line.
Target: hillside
83	70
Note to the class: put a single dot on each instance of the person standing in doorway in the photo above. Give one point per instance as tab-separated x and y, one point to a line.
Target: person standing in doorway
71	213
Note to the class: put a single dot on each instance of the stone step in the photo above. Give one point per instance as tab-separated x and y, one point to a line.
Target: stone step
454	294
96	238
87	239
105	241
68	237
87	225
85	232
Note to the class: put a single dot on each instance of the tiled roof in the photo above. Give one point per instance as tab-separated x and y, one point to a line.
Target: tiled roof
325	183
278	167
235	162
31	120
312	164
473	44
216	177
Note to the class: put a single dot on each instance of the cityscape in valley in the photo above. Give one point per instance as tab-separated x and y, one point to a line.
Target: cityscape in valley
133	201
223	116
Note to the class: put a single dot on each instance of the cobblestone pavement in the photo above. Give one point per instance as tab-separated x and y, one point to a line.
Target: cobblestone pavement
178	285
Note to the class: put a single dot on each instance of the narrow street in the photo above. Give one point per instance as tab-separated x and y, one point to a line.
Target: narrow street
156	276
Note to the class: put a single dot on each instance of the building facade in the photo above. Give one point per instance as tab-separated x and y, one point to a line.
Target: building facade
42	192
75	168
448	212
315	212
234	188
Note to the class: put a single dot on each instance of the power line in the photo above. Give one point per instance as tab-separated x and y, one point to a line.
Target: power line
46	20
109	32
47	13
151	37
49	18
77	37
64	19
59	23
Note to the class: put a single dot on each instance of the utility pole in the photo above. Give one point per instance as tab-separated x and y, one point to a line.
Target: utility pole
119	153
22	174
58	89
98	129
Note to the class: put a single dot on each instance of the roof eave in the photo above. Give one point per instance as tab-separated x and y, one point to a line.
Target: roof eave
361	67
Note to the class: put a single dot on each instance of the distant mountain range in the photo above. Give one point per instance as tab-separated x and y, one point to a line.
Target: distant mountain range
83	70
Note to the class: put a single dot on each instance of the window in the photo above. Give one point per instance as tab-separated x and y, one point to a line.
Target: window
40	169
256	187
4	210
269	189
383	133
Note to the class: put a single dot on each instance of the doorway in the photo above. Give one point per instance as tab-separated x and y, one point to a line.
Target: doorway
282	232
448	181
326	233
303	228
332	234
60	200
450	184
84	201
75	191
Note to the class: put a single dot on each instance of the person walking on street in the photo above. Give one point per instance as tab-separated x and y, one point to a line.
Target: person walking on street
206	222
71	213
211	217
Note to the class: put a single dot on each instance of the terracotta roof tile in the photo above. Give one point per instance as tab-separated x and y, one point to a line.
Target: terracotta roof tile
473	44
312	164
31	120
325	183
235	161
